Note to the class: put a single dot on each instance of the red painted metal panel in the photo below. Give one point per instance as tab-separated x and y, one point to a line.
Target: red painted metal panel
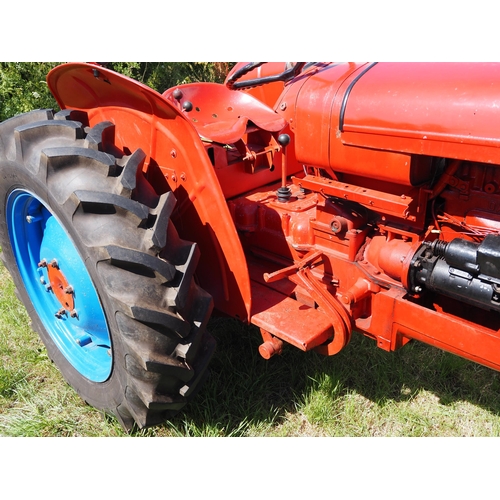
319	97
427	108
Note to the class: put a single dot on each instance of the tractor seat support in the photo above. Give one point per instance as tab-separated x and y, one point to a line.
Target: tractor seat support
222	115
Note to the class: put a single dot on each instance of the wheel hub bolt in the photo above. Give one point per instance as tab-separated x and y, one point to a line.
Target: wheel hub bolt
33	218
60	313
83	341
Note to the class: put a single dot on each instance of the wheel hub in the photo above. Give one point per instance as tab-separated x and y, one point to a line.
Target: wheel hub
55	278
59	285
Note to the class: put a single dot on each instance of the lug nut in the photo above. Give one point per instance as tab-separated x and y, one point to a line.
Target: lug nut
60	313
33	218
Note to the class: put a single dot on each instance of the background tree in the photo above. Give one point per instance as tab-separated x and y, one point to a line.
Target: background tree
23	86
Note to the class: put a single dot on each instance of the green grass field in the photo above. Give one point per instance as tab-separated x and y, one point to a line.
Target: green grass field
363	391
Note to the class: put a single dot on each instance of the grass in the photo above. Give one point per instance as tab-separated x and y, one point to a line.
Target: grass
363	391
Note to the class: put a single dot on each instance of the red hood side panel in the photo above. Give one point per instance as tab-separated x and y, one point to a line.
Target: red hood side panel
444	109
318	141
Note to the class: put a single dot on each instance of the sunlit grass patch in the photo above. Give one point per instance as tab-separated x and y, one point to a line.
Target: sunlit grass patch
363	391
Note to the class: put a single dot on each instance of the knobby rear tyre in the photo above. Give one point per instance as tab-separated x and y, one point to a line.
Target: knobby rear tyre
98	264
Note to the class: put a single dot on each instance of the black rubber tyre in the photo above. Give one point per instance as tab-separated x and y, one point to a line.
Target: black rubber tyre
141	270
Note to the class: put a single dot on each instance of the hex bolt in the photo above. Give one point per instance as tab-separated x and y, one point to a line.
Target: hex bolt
33	218
60	313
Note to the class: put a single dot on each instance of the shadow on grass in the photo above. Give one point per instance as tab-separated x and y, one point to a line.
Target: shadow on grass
243	389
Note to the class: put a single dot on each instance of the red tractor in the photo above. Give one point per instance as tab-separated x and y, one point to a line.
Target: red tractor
309	199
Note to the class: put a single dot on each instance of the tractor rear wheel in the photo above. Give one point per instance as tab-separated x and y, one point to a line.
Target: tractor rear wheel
98	264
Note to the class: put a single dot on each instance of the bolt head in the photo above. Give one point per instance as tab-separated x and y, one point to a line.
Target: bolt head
59	314
284	140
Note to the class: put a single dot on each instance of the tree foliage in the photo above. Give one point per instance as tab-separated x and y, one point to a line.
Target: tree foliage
163	75
23	86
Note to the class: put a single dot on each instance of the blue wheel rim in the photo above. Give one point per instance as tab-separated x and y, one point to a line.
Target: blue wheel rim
37	238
